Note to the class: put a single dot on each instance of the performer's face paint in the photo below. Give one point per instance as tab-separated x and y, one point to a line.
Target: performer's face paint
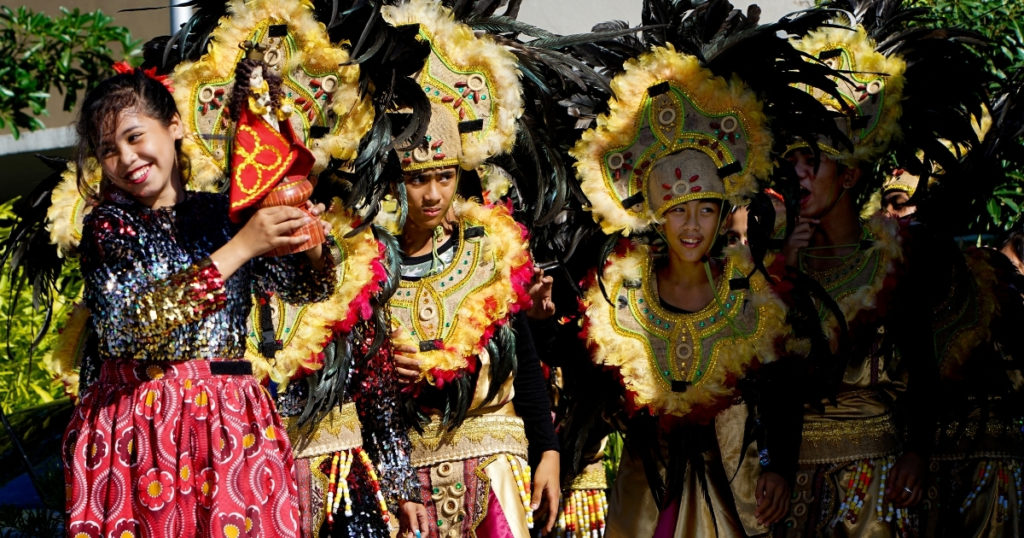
429	193
820	184
139	157
690	228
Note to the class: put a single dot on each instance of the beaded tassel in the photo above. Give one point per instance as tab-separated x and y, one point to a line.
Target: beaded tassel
375	483
332	480
583	514
883	510
856	491
337	484
522	476
1015	470
982	480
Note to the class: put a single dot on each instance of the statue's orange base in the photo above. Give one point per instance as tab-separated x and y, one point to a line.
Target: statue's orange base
295	192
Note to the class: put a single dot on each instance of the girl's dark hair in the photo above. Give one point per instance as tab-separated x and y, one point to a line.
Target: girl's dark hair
240	91
102	106
1016	243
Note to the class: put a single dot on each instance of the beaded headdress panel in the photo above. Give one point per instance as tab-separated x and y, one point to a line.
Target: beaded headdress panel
675	132
870	87
473	87
330	116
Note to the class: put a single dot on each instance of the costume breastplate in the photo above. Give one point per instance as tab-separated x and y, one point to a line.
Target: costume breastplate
683	364
861	282
450	316
429	306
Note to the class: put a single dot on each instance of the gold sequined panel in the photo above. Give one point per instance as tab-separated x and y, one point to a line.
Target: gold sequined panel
994	436
338	431
430	306
188	296
680	347
593	476
477	437
848	439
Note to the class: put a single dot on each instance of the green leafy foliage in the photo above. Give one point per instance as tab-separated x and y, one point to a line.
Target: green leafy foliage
1003	23
18	522
999	20
39	53
26	381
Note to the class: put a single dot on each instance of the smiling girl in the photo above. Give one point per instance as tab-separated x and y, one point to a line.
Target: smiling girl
176	437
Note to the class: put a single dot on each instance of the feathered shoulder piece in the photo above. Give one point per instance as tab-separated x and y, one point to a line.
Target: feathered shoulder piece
331	114
473	86
674	132
68	207
305	330
451	316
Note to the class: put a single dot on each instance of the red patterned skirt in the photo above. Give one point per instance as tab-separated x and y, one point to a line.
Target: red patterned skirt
171	449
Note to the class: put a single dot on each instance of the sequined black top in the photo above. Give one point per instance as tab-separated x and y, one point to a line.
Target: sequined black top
155	295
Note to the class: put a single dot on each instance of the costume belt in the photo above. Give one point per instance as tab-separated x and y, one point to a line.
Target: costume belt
497	432
338	431
591	477
979	436
837	440
131	372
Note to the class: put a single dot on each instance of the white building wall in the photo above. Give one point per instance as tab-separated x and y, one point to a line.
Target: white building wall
578	16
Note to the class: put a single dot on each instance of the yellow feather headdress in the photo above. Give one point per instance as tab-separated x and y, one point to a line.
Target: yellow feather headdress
330	117
473	86
674	132
903	180
871	87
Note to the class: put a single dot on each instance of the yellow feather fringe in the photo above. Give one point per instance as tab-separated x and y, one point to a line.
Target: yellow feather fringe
617	129
962	345
64	358
865	60
316	327
467	50
315	53
885	232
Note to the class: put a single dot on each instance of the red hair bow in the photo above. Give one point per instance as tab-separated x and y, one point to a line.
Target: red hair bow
124	67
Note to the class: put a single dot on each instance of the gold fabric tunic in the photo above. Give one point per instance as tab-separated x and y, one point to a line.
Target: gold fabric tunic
653	350
849	447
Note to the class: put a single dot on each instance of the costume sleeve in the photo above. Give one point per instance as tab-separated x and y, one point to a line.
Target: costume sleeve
531	398
909	325
295	278
385	438
123	292
779	416
915	408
